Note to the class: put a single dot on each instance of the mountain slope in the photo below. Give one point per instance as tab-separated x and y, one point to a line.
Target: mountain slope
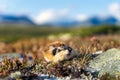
94	20
14	19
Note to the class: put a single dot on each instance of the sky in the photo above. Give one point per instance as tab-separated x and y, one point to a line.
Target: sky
50	10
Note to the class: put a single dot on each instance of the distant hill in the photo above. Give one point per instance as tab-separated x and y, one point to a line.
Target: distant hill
15	19
91	21
96	20
25	20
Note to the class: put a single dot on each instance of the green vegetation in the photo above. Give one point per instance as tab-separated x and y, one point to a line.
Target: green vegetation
9	33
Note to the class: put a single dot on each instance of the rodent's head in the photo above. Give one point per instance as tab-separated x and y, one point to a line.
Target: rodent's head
58	51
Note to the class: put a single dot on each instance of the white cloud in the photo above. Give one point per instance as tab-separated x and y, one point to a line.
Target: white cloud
3	8
114	9
81	17
51	15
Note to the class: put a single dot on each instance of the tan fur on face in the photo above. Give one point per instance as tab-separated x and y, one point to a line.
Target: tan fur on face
59	56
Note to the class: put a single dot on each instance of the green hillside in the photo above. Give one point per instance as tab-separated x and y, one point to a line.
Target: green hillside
12	33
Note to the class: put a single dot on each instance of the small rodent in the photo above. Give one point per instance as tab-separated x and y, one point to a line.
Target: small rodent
58	51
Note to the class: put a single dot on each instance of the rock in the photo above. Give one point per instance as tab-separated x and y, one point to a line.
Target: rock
108	62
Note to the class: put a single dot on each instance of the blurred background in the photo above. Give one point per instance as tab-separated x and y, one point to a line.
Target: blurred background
32	18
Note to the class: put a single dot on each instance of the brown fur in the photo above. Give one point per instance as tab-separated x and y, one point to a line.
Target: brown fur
56	44
48	55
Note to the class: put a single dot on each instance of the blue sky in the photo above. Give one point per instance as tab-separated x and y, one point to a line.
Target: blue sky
61	8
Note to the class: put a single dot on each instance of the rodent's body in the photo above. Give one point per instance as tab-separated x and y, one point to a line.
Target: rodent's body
58	51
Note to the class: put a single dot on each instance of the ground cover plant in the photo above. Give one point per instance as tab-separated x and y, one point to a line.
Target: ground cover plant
32	48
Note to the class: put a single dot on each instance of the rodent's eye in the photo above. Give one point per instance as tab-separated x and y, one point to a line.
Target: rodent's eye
54	51
69	49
